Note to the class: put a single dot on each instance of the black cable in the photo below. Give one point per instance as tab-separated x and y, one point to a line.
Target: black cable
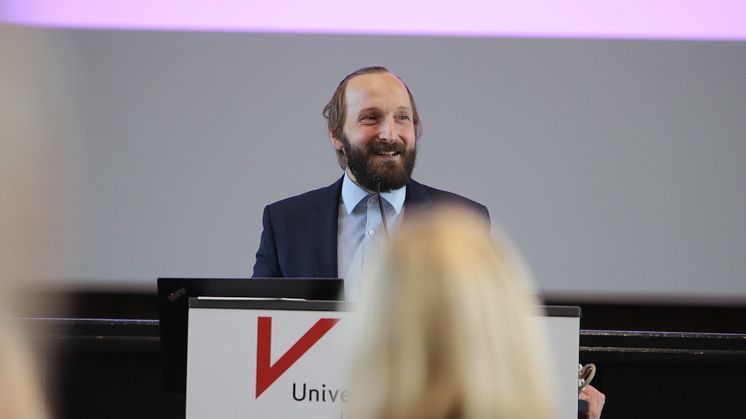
380	205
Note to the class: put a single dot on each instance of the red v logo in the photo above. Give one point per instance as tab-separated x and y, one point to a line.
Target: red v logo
266	374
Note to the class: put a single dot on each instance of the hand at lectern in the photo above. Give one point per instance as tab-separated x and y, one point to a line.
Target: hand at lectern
595	400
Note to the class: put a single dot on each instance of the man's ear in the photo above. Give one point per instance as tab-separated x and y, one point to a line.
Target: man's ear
336	142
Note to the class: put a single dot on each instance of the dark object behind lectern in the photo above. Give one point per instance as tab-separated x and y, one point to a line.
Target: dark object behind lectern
173	301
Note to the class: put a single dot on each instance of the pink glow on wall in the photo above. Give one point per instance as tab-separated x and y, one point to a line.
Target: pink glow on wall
649	19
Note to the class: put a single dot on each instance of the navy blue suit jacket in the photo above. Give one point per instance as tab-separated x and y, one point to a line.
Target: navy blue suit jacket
300	233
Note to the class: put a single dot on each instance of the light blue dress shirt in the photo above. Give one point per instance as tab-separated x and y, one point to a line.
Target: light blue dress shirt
360	234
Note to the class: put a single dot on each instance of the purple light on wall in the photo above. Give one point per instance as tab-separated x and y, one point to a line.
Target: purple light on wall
648	19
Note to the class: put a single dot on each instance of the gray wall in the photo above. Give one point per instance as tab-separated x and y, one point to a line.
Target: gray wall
618	167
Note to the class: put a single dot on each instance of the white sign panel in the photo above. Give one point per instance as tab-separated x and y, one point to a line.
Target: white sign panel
289	364
265	364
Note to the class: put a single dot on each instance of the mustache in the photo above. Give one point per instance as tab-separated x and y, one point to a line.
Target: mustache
386	147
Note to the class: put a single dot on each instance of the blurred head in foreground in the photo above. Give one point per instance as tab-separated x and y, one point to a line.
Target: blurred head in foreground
27	128
450	328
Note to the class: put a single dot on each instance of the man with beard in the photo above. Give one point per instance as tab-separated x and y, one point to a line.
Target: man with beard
336	231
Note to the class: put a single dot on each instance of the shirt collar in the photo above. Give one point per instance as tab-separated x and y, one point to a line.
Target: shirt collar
352	194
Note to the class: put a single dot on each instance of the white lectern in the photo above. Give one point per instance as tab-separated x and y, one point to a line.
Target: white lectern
279	359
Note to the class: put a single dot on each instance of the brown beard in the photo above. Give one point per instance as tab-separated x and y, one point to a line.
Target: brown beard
393	176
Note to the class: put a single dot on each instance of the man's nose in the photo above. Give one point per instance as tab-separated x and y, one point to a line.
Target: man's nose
388	129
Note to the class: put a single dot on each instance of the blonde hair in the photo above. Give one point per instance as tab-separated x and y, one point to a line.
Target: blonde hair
450	328
26	115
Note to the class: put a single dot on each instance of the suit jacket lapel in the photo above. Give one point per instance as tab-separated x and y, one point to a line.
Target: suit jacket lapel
323	231
417	198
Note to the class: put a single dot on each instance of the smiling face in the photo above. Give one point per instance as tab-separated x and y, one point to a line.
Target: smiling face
378	136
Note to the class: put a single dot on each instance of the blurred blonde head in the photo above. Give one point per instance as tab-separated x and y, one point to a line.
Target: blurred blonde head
27	115
449	329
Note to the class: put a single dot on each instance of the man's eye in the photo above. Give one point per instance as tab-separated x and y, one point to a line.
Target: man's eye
370	118
404	117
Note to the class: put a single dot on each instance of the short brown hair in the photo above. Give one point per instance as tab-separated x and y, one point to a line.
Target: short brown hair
335	111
